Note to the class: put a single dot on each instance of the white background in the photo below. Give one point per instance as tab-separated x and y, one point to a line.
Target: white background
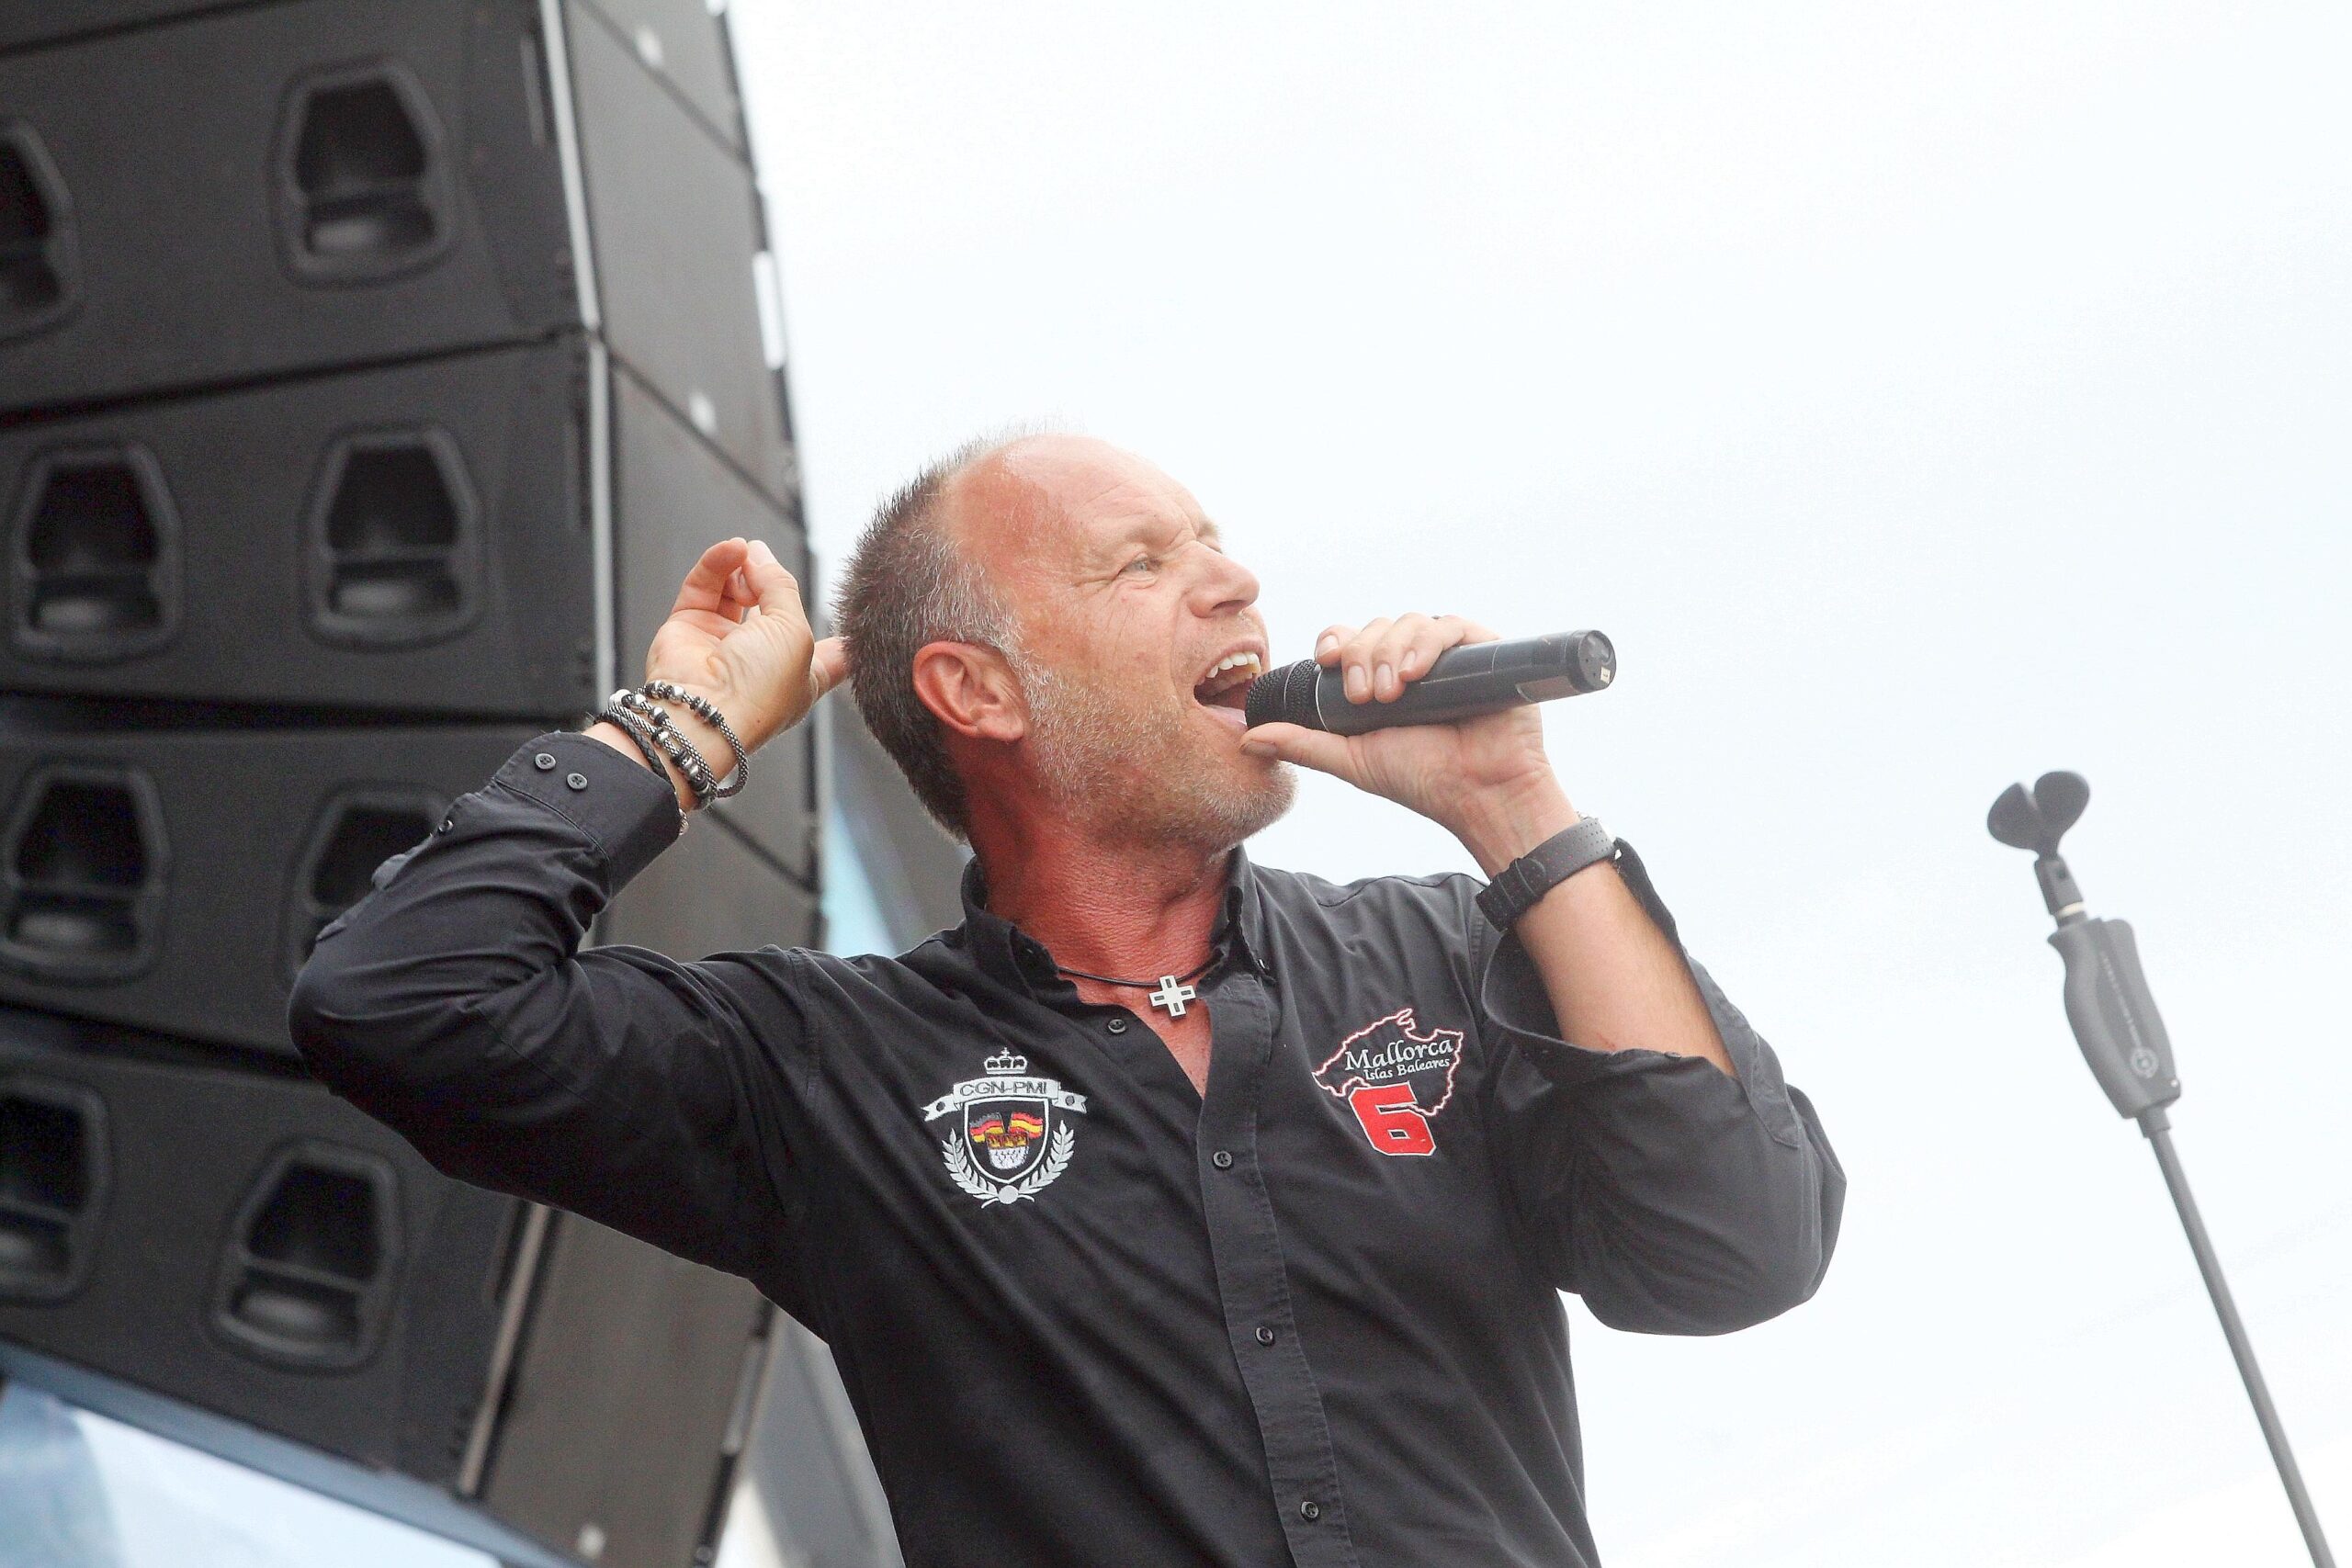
1923	398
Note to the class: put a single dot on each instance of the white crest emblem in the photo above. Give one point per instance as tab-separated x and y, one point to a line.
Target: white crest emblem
1013	1136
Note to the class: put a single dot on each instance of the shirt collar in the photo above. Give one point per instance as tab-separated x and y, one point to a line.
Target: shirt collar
1010	954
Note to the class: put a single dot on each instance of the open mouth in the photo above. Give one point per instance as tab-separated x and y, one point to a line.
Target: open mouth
1226	685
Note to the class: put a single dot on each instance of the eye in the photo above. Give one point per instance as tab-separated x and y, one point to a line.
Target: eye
1142	563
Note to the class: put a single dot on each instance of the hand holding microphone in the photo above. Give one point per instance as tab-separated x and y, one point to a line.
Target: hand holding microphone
1464	682
1433	713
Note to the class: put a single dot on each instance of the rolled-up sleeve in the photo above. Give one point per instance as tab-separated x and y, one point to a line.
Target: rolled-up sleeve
1672	1197
454	1003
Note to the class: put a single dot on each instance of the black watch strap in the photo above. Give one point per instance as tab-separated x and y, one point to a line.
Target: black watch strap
1519	884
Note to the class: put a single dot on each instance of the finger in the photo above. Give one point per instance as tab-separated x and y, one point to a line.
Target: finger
1355	660
1442	633
1403	652
776	591
828	666
1326	647
705	584
1316	748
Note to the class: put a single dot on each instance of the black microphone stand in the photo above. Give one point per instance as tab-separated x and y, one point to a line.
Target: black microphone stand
2115	1023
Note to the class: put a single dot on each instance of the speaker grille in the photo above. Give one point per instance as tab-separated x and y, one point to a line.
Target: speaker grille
306	1278
35	239
82	884
95	568
366	197
53	1175
393	556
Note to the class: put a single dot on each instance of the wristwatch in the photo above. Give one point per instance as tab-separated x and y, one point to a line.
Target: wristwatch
1519	884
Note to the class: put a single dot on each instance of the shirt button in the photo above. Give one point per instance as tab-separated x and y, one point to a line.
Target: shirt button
1310	1510
544	761
1265	1335
1118	1026
1222	1160
577	781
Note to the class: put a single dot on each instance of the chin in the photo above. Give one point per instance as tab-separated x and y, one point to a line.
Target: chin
1157	776
1256	798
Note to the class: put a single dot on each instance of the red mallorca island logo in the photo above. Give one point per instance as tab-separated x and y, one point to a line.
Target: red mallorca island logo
1395	1079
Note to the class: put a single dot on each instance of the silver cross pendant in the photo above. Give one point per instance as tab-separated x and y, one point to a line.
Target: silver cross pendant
1173	995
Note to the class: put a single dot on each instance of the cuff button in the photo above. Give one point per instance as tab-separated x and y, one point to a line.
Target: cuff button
577	781
544	761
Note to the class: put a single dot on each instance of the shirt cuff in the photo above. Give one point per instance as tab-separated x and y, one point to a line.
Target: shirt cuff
630	815
1513	1003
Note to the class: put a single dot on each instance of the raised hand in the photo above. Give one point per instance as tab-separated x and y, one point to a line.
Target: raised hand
738	636
1486	779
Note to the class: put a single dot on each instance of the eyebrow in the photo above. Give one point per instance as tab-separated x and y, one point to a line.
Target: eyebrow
1204	530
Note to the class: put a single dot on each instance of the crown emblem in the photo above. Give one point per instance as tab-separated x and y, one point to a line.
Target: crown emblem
1006	1065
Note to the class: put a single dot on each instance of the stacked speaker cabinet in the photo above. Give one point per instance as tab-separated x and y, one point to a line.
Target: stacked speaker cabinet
369	376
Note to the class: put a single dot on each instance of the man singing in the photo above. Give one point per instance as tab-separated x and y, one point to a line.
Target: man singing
1171	1209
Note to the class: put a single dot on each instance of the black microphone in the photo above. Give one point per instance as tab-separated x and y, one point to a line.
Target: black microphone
1468	680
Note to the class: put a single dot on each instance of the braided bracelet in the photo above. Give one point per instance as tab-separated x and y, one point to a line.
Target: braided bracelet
708	711
680	749
637	730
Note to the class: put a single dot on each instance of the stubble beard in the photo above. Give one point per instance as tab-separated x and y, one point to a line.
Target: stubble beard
1130	773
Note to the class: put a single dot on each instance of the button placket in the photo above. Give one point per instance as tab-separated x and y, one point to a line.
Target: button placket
1253	1288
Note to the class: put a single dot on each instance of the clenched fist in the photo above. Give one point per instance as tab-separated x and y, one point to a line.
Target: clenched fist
738	636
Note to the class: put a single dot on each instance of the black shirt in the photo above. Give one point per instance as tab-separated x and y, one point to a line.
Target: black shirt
1088	1316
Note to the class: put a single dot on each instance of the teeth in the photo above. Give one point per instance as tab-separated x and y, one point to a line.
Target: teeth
1227	673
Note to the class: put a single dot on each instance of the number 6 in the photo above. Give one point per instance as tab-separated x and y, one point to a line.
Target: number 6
1391	1122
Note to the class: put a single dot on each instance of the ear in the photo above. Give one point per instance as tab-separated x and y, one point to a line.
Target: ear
972	691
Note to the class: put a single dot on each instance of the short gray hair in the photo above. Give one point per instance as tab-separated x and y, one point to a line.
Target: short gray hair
908	583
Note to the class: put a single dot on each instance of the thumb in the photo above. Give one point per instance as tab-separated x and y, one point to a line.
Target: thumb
828	667
1316	748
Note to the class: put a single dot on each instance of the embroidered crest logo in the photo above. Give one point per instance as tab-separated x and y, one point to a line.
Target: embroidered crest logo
1012	1135
1395	1079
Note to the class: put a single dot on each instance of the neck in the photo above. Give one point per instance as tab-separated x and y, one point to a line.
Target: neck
1132	911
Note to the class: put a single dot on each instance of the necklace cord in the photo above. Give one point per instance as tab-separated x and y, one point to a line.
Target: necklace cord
1206	965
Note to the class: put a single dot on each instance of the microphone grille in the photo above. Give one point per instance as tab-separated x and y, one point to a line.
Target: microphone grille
1283	696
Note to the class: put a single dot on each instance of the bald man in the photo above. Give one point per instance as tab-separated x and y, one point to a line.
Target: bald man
1170	1209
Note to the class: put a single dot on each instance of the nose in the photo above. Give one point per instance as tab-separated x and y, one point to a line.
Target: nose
1222	585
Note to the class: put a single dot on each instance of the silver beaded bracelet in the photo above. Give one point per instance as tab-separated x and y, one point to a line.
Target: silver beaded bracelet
708	711
679	751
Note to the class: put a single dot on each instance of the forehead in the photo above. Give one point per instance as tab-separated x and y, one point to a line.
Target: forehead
1051	500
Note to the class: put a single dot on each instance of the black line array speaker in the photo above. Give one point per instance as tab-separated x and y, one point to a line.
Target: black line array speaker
293	1276
444	536
370	375
374	183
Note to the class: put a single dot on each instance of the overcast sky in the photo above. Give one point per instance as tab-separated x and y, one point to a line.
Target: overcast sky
1922	397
